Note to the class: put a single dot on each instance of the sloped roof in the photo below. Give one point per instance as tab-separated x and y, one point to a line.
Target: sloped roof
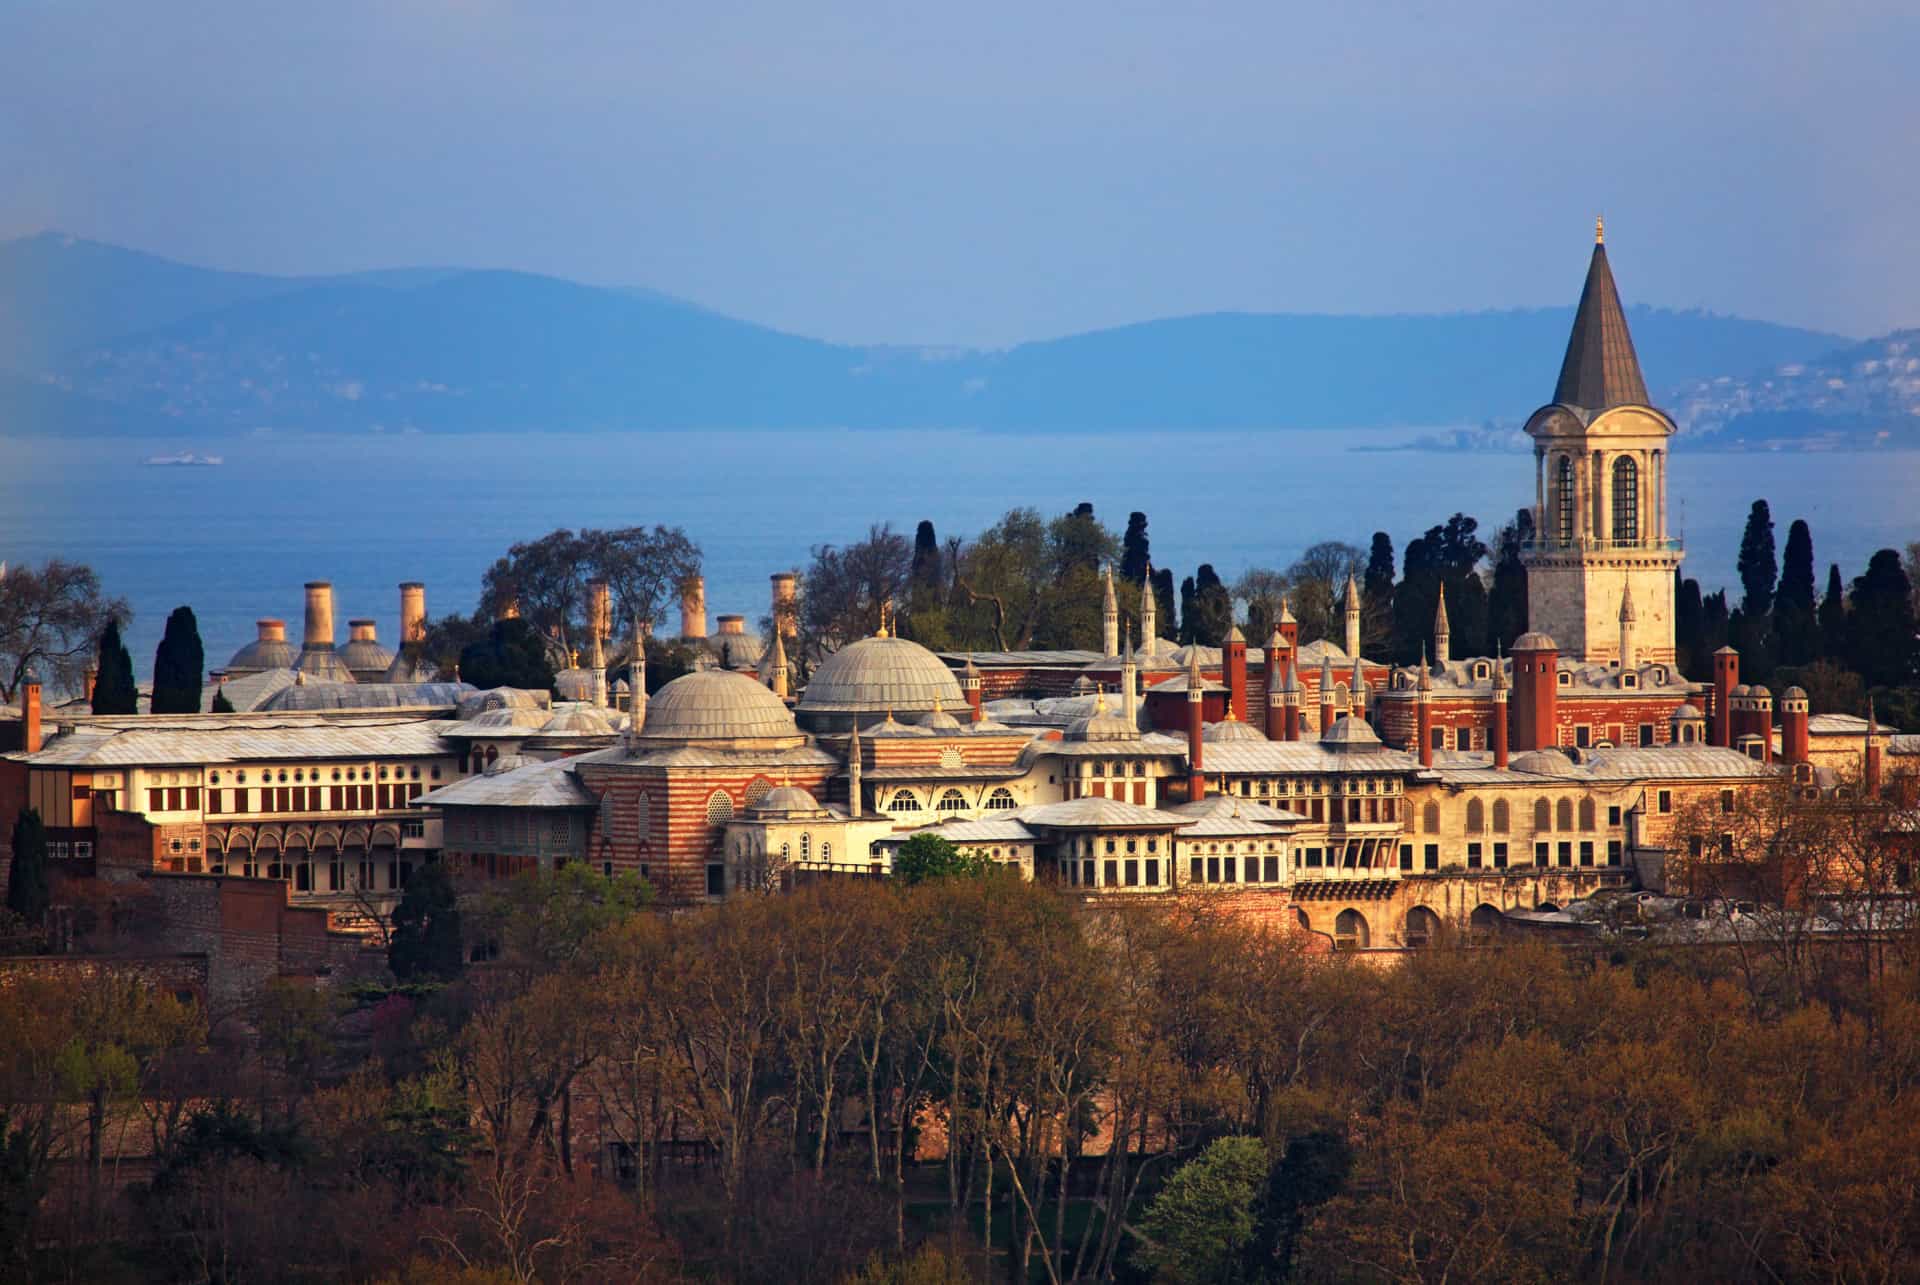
540	785
1600	370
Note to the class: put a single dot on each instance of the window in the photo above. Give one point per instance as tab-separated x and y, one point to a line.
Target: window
1566	854
1583	736
1153	873
1501	815
1422	927
1542	815
1438	737
1663	802
1613	852
1110	873
1463	738
951	801
1646	735
826	851
1726	802
1626	498
1406	856
1476	817
1001	800
1586	814
1313	858
1430	858
1131	873
1563	815
1473	856
1586	852
1499	856
1613	815
716	879
719	808
1430	818
1540	854
1563	501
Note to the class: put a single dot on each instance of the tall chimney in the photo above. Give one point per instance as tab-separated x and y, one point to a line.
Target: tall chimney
319	614
1726	675
1233	661
693	608
271	630
1497	733
1423	714
413	611
1536	692
599	609
785	603
1795	732
30	712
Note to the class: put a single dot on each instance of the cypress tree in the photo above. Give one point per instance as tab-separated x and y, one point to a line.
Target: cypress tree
1134	549
926	559
1881	645
1759	569
27	893
1794	630
1163	603
426	928
1690	630
113	689
177	666
1188	616
1507	602
1833	616
1377	587
1212	607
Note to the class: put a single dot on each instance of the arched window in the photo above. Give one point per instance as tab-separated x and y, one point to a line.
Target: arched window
1350	931
643	814
903	801
1300	918
1485	920
1001	800
758	789
806	847
1501	816
1563	501
784	850
1430	818
1422	927
1476	817
1626	498
719	808
1563	815
951	801
1542	815
1586	814
826	852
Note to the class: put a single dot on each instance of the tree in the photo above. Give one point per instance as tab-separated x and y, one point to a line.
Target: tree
426	942
929	856
113	689
1377	585
1167	622
177	666
1448	555
1759	569
546	579
1028	582
27	892
1212	615
51	616
1507	600
846	587
1261	590
1196	1230
1795	628
1833	616
513	655
1882	648
220	705
1690	630
1135	549
925	575
1319	580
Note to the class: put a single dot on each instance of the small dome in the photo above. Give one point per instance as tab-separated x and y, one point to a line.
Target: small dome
499	698
1101	725
1543	763
576	722
574	684
1534	640
507	763
866	678
403	670
1740	689
938	720
716	705
620	686
1793	694
1350	733
787	801
1688	711
890	726
368	660
270	650
325	664
530	719
1230	731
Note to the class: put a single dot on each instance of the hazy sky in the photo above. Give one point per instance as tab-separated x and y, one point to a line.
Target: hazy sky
986	172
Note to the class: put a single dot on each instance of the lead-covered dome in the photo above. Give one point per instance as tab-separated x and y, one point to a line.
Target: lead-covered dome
1543	763
865	679
717	705
270	650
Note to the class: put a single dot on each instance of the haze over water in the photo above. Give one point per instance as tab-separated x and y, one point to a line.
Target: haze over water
237	542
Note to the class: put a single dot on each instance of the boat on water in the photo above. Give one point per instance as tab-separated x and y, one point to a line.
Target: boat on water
185	459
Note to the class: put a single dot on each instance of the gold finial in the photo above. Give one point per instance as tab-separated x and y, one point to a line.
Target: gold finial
1599	229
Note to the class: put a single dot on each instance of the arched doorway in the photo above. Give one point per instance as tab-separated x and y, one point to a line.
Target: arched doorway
1350	931
1422	927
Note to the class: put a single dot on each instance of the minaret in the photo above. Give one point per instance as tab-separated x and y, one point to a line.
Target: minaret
1326	693
1442	641
1629	656
777	674
1497	734
1196	715
1110	620
1357	692
1353	616
1870	768
856	806
1276	690
1233	668
1293	704
1129	684
1289	629
599	663
637	679
1423	712
970	685
1149	608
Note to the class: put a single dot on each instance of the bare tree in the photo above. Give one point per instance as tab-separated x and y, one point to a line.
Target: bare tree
50	619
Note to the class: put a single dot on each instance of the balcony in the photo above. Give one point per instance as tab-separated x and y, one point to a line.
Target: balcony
1593	544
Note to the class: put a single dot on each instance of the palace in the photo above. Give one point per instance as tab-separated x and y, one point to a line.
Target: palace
1373	804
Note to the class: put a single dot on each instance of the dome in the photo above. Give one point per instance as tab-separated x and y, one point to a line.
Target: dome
403	670
499	698
574	684
368	660
890	726
1101	725
270	650
1350	733
312	696
1229	731
325	664
865	679
530	719
939	721
508	763
787	801
1793	694
1688	711
1741	689
577	722
1543	763
716	705
1534	640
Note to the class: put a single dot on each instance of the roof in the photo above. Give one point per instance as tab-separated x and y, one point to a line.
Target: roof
716	704
325	695
1600	370
540	785
1003	829
249	691
875	674
223	739
1064	657
1842	725
1096	813
1256	758
1241	816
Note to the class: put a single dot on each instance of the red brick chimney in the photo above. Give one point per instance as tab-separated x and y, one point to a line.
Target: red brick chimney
1726	676
1233	659
1761	720
1872	773
1536	691
30	712
1423	713
1796	741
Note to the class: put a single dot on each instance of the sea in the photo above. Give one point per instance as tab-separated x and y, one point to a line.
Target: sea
238	540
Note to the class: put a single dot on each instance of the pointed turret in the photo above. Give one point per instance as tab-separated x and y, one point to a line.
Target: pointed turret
1442	641
1357	691
1353	615
1130	685
1629	654
1110	619
777	676
1149	608
855	805
1423	713
1600	370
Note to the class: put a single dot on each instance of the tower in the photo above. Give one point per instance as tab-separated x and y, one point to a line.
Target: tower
1110	620
1442	640
777	672
1497	733
1129	686
1629	653
1357	692
1423	713
1536	692
1149	629
1196	716
1600	490
970	685
1326	693
1353	616
1233	664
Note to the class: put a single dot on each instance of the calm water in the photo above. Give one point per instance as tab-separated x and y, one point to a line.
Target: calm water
238	541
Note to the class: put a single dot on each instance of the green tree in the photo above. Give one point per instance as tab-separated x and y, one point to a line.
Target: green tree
925	576
426	942
1882	648
177	666
1197	1229
1759	568
1168	622
1795	628
1135	549
1507	600
929	856
513	655
1377	584
1209	617
1690	629
27	891
113	689
1833	616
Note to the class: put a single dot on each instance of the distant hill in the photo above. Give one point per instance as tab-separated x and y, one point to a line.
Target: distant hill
101	339
1863	395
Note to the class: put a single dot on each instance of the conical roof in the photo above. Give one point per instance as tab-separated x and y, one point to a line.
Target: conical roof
1600	370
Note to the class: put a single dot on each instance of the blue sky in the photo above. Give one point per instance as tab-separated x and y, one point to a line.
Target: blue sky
988	172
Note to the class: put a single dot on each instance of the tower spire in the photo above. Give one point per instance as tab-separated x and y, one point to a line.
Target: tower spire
1149	630
1600	370
1442	640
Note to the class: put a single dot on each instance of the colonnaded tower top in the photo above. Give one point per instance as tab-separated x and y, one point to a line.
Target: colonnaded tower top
1600	491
